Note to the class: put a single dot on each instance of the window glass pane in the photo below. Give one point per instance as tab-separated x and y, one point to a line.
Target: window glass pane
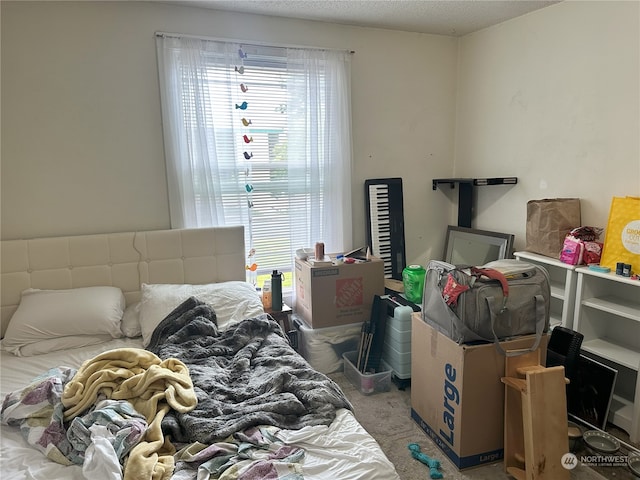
277	203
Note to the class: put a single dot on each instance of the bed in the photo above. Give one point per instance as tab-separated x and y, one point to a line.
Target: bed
155	359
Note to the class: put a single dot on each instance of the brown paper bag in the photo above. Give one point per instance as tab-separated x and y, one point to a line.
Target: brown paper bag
548	222
622	237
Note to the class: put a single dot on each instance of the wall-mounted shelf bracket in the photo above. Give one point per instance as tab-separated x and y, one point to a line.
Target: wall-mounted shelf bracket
465	192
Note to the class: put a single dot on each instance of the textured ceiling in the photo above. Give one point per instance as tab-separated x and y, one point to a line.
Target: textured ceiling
449	17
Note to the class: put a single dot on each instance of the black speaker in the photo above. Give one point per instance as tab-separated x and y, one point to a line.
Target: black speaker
564	349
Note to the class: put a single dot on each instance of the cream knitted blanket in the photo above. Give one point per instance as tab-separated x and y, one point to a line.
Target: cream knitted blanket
152	385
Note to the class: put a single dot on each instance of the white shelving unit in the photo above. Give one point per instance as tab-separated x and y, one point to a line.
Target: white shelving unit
607	313
563	287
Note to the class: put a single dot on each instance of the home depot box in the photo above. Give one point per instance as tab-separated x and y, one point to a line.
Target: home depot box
337	294
457	397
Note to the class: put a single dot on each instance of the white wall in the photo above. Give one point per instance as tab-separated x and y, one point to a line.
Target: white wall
82	144
552	97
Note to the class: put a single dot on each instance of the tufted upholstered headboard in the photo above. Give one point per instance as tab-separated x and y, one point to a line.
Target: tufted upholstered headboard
125	260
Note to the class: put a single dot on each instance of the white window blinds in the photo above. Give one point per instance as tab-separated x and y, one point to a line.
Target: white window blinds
258	136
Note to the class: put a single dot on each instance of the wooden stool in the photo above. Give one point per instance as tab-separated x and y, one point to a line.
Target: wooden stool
535	419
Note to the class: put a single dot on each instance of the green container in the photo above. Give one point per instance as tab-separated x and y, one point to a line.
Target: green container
413	281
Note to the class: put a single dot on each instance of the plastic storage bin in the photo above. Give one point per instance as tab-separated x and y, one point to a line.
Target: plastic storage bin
366	383
323	347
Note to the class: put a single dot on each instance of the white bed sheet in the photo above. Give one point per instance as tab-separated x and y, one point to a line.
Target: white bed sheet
341	450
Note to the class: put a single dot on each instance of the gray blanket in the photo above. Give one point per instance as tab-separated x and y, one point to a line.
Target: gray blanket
245	376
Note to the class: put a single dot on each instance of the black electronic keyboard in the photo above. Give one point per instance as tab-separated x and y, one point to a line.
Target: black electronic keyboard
385	223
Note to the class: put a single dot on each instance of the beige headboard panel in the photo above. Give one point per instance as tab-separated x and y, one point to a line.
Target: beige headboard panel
124	260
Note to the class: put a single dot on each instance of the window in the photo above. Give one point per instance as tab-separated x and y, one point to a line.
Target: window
259	136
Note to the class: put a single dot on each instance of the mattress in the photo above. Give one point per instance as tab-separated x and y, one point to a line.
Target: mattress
155	271
341	450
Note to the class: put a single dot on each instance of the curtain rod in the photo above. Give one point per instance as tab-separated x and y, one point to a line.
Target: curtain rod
254	44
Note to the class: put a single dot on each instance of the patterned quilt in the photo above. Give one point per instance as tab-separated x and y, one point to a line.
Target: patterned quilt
38	411
254	454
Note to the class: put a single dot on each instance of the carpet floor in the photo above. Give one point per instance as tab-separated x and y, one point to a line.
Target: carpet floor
386	416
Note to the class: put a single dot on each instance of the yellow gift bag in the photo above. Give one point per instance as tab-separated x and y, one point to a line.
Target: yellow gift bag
622	237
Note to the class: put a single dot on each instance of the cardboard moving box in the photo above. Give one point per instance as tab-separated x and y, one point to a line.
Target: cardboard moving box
457	397
340	294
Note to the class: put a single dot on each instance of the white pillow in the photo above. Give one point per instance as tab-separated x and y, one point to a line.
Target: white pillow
50	314
131	321
232	301
61	343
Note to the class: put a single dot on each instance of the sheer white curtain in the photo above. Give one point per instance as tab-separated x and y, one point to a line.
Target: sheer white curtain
281	165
